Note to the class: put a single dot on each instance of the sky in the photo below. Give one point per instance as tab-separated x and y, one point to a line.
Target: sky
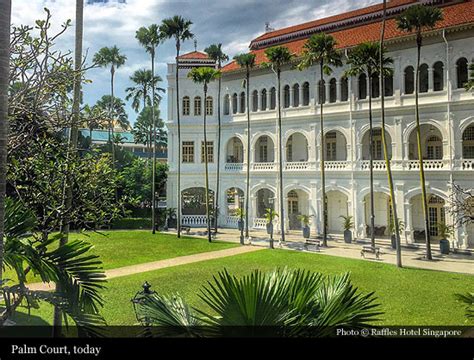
234	23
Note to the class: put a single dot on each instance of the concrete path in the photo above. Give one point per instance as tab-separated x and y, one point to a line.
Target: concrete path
155	265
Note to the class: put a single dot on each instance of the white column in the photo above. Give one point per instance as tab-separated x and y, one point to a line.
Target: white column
430	79
338	91
409	223
259	102
268	98
292	97
301	95
327	91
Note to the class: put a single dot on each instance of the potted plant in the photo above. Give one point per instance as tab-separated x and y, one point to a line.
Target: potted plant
305	220
444	232
270	216
393	238
347	225
240	213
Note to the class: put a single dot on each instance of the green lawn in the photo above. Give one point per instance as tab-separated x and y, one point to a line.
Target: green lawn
122	248
407	296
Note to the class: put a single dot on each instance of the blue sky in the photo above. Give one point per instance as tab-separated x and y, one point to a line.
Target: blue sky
234	23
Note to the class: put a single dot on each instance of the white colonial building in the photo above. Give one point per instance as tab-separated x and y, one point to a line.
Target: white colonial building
447	118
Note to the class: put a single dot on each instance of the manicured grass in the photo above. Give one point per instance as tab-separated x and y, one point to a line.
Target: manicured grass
407	296
122	248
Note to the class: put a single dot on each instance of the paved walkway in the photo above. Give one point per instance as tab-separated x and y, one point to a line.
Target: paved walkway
155	265
411	256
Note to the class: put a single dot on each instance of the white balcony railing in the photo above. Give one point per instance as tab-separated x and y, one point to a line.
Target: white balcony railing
259	223
234	167
427	165
231	221
337	165
376	164
298	165
264	166
467	164
194	220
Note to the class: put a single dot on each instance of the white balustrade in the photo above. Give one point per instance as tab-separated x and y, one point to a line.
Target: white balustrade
234	167
427	165
264	166
468	164
232	221
336	165
194	220
260	223
298	165
376	165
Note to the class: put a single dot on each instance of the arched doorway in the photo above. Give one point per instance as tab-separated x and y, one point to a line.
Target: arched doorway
293	211
297	148
235	151
431	143
235	200
193	206
436	215
337	207
264	150
265	200
382	214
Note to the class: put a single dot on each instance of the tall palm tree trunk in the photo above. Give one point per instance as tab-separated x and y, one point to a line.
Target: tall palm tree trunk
216	196
322	155
280	156
420	152
178	185
247	194
208	218
153	176
371	161
5	15
112	102
72	149
384	142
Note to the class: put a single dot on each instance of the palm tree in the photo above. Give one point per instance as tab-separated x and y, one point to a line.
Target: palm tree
281	302
320	49
204	76
110	57
72	148
418	18
215	53
150	38
394	219
177	28
140	92
277	57
120	114
364	59
247	61
5	16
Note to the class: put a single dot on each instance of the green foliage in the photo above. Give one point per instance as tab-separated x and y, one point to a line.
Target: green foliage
239	212
305	219
445	231
320	49
109	56
418	18
246	61
364	59
120	115
347	222
176	27
143	128
215	52
468	300
401	226
204	75
131	224
277	57
141	93
291	302
149	37
270	215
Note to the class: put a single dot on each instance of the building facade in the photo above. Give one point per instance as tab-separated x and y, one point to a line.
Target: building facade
447	126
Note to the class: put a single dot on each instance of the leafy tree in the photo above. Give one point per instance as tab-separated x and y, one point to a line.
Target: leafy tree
204	76
278	56
140	94
179	29
216	53
418	18
120	114
143	129
281	302
321	50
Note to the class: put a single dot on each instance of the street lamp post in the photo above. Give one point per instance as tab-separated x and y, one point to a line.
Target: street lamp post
139	300
270	202
241	225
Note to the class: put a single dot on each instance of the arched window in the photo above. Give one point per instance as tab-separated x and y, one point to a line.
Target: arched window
461	73
468	143
434	148
272	98
209	106
306	94
423	78
388	85
186	105
264	100
375	86
286	96
296	95
226	105
322	91
332	90
409	80
362	86
438	78
242	102
197	106
255	101
344	89
234	103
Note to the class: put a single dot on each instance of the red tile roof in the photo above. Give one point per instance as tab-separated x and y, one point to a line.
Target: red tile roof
195	55
454	15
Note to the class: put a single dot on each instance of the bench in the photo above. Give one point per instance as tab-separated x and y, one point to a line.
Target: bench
314	242
370	249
